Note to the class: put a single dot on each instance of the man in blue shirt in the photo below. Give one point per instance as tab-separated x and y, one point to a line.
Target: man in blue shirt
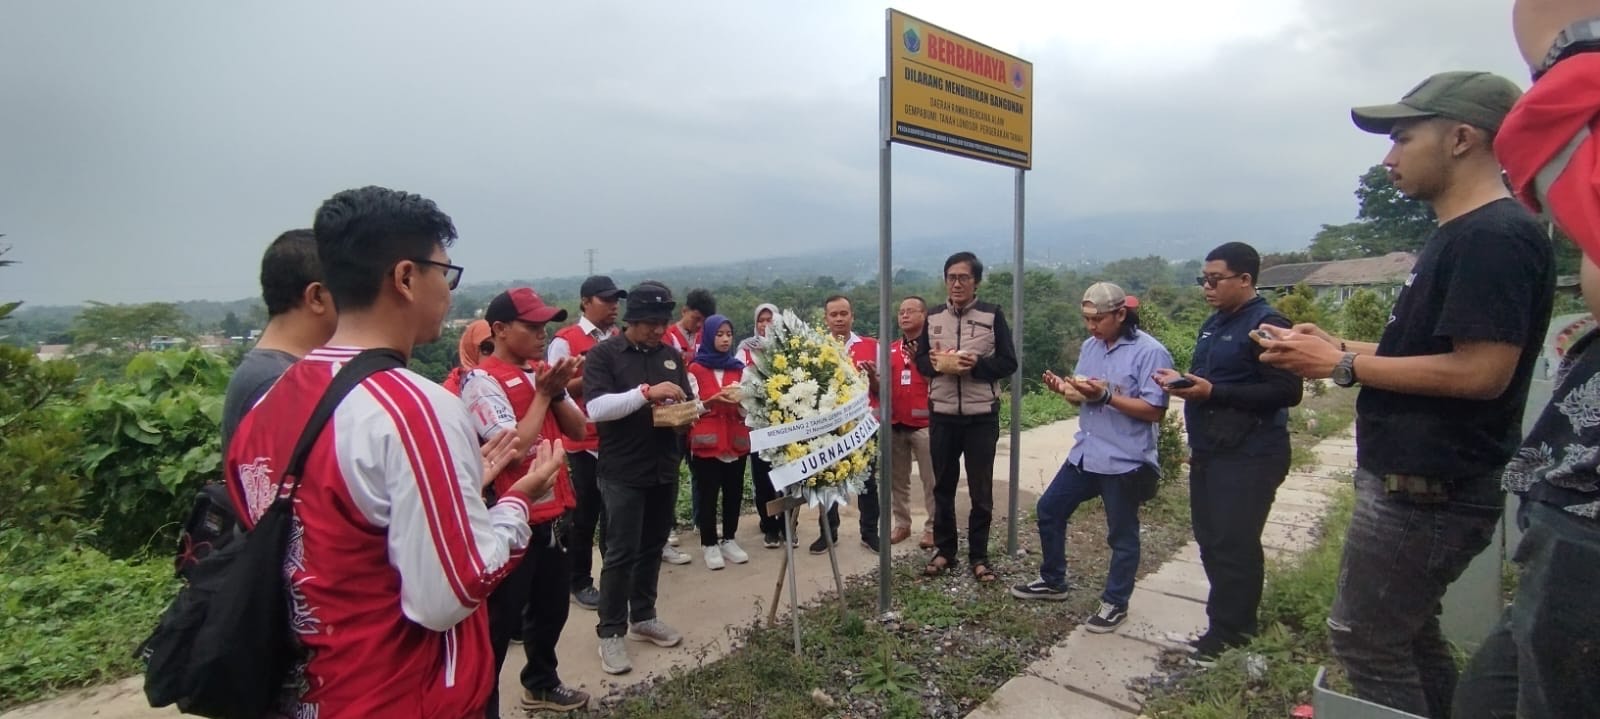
1114	455
1237	414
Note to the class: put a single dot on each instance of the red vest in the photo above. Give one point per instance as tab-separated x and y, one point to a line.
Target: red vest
910	399
721	432
520	391
581	343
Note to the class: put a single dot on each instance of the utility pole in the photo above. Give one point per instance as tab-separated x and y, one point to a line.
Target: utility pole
590	253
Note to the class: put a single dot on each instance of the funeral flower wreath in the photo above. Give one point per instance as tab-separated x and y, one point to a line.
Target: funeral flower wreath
807	406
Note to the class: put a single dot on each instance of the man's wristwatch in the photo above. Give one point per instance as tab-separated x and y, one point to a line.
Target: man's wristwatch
1344	373
1579	37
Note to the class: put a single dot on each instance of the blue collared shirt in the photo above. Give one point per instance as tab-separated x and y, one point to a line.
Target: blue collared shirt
1108	441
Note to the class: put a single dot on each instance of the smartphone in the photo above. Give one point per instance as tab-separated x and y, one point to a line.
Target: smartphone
1180	383
1261	335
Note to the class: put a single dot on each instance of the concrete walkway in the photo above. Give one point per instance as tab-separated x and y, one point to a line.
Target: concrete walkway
1086	676
707	607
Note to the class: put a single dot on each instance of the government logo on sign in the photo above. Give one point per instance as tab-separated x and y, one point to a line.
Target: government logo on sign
912	40
1017	80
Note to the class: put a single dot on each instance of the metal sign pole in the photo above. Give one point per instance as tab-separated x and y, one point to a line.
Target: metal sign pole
1016	379
885	382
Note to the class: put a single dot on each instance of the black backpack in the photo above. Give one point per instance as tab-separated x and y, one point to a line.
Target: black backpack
223	647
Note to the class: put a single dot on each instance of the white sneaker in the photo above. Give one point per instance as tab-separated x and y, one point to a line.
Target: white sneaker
614	656
714	558
672	538
656	632
733	552
673	556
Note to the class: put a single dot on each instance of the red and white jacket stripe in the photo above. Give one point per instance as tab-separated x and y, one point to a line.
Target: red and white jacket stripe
393	549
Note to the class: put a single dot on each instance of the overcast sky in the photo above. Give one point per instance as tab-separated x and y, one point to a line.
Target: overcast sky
150	150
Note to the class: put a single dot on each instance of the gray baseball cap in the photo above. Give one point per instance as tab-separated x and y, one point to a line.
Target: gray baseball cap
1103	297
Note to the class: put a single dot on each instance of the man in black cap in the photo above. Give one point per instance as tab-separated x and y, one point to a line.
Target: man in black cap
597	322
625	376
1443	389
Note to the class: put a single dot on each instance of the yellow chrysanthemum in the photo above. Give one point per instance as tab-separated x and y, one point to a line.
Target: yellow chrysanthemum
780	362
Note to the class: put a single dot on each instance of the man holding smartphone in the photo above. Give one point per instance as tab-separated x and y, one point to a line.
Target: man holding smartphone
1442	391
1236	410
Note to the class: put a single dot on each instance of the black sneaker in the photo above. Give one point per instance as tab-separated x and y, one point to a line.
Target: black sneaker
1037	589
771	540
870	541
588	598
560	699
820	546
1107	619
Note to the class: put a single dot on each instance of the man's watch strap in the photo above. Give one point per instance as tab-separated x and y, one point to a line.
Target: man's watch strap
1344	373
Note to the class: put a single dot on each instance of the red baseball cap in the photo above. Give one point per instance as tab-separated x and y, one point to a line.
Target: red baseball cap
523	304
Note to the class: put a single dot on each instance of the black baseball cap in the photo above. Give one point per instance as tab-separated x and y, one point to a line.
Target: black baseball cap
601	286
1479	99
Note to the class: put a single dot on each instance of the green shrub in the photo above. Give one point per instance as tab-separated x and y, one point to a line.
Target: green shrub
39	494
73	619
150	442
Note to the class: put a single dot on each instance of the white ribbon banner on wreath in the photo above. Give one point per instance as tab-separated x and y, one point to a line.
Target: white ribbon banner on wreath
794	472
782	434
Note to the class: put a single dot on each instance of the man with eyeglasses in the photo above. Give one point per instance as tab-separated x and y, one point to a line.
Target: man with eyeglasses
1236	410
394	551
598	298
1442	391
975	347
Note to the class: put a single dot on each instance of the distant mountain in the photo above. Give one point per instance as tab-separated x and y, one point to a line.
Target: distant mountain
1084	242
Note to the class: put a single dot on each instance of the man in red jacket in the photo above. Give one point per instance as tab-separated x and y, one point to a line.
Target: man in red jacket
597	321
908	431
509	393
392	550
841	321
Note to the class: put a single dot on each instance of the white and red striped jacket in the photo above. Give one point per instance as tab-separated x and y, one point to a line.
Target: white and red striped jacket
392	548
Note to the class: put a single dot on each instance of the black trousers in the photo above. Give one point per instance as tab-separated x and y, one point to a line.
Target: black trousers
637	521
532	603
952	439
761	478
868	501
1229	499
712	477
590	515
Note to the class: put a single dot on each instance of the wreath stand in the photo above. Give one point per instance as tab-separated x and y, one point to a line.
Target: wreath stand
789	505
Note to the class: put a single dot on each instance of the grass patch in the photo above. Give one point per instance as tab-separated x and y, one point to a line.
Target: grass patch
1039	408
73	620
1325	411
1293	643
953	643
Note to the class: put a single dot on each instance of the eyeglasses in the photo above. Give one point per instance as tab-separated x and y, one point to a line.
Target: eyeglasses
452	273
1214	280
958	279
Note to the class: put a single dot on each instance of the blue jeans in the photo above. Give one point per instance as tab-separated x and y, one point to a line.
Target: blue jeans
1399	558
1541	659
1072	487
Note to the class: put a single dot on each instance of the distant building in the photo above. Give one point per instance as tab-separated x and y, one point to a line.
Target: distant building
1340	279
47	353
163	342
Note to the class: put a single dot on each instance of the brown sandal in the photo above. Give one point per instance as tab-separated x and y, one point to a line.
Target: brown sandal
937	566
983	573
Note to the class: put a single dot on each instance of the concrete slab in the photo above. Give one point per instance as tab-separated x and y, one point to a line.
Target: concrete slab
1183	579
1288	538
1029	697
1315	498
1100	665
1152	615
1188	553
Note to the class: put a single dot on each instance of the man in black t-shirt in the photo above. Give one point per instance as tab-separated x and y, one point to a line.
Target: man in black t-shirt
1442	391
624	377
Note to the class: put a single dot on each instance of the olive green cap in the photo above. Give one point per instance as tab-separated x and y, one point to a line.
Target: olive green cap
1480	99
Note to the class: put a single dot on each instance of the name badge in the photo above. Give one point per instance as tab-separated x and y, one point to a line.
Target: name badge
905	377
